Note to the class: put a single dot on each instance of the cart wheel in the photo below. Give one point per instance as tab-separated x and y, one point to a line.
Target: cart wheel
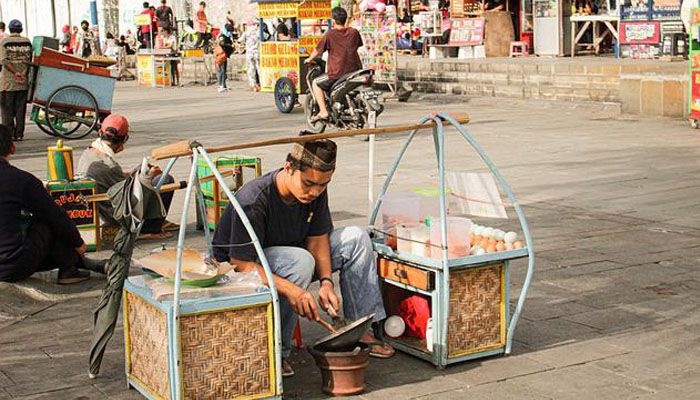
44	126
310	111
285	95
71	112
694	123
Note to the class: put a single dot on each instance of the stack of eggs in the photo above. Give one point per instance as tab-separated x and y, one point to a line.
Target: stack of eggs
484	239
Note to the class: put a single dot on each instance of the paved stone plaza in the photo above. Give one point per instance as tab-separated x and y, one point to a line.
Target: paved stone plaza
612	202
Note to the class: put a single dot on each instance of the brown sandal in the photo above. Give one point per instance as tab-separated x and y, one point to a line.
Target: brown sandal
170	226
385	350
155	236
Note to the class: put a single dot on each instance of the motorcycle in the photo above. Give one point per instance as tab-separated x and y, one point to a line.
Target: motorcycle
351	102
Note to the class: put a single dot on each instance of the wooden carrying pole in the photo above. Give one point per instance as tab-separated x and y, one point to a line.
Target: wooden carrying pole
163	189
182	148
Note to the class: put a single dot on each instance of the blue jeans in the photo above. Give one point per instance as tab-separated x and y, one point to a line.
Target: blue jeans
352	256
221	74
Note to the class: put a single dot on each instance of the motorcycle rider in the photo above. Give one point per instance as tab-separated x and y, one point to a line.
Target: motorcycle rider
341	43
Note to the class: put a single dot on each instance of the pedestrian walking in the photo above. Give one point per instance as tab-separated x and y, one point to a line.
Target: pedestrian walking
223	50
251	37
87	41
15	56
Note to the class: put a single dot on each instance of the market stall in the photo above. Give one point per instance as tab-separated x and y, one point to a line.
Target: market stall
694	72
552	27
154	67
464	30
651	29
378	31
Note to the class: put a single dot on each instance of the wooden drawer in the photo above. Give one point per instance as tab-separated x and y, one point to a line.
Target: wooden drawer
407	274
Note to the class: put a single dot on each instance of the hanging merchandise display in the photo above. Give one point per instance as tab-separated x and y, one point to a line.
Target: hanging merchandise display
378	32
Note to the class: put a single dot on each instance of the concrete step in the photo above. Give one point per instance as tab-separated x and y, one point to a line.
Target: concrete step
659	90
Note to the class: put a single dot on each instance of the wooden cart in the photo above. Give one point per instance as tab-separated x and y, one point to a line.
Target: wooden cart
282	68
70	96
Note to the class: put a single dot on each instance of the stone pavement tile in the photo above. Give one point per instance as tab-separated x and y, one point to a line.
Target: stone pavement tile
5	380
615	295
4	395
581	382
541	334
16	355
38	384
655	368
539	308
616	319
115	387
406	385
683	391
494	369
585	269
491	391
635	258
576	353
87	392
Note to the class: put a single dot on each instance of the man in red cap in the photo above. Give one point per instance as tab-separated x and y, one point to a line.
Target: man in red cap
98	163
36	234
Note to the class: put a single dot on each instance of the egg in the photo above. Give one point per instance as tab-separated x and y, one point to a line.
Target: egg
510	237
518	244
484	243
499	234
488	232
474	250
477	230
509	246
500	246
480	251
491	248
492	242
476	239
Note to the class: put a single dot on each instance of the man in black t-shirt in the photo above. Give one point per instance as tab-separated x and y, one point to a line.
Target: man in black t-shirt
288	211
165	16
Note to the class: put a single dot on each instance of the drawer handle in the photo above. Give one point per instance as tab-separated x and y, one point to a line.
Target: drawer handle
400	273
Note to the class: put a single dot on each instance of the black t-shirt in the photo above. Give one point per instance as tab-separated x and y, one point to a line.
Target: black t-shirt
491	4
275	222
165	16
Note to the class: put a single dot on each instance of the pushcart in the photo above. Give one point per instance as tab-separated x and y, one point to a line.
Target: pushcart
468	297
70	96
282	68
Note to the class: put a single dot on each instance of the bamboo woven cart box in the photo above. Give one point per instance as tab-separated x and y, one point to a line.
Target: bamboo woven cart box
478	307
214	198
226	345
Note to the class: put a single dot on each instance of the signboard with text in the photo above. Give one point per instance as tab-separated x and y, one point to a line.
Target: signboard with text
647	32
467	32
70	197
278	60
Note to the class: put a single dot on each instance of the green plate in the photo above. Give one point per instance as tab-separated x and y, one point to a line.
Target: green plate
202	283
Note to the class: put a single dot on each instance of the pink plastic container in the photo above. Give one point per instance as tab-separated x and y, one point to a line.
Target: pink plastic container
458	230
398	208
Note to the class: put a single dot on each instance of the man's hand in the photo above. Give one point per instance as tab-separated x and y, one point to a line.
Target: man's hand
308	61
328	299
154	171
304	304
81	250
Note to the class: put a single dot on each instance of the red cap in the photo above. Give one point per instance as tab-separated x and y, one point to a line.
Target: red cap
115	126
